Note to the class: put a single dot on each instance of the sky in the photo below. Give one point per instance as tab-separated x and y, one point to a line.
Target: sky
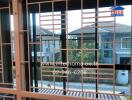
74	18
127	16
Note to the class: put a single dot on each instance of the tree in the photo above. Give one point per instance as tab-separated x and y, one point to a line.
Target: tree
86	55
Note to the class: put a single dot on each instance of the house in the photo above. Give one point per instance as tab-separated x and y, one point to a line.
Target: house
49	44
50	49
106	50
106	41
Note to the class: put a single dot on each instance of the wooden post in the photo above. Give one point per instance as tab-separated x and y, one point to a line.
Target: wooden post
19	46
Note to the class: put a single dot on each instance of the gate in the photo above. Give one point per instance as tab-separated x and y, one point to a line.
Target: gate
64	49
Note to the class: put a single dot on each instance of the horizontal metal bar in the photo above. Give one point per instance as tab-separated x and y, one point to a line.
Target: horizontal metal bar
100	93
2	8
104	11
24	31
97	22
93	66
107	64
87	22
48	35
24	62
9	91
32	3
34	43
50	96
85	73
5	43
53	15
55	28
106	21
12	97
52	24
52	20
43	75
80	34
93	73
106	26
108	69
53	67
88	12
98	78
78	49
6	83
86	27
94	12
47	71
45	88
97	17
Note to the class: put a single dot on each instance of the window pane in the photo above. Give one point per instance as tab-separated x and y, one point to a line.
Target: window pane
126	42
107	53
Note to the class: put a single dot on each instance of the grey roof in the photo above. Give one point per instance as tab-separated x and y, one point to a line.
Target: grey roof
104	28
44	31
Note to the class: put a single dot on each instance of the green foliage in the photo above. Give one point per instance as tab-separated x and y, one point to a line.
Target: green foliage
128	98
88	56
74	56
51	71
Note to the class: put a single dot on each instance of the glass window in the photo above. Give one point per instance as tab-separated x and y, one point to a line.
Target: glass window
36	47
48	58
107	53
108	43
47	49
126	42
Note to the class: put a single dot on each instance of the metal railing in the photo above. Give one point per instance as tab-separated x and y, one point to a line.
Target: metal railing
67	70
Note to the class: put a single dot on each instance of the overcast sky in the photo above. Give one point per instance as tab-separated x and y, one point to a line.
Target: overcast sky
74	18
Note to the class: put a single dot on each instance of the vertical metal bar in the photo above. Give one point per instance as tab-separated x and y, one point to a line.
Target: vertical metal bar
82	79
96	44
6	49
11	44
30	53
53	39
67	88
1	61
30	63
63	46
131	71
35	51
40	41
28	46
131	65
25	45
114	51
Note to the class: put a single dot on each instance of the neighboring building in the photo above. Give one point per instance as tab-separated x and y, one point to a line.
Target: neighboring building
49	44
106	34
